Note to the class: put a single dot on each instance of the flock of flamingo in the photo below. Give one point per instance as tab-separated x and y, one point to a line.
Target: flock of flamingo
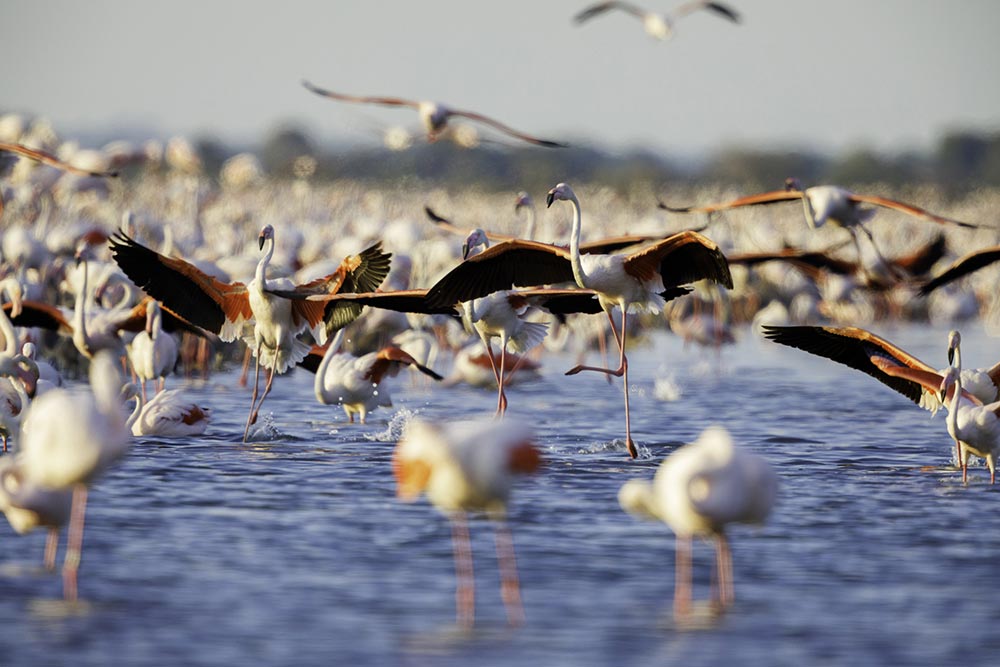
356	267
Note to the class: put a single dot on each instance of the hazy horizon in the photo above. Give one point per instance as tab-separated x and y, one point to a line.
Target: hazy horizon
815	76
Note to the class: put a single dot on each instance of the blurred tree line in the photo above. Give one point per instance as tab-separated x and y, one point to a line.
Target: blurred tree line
961	161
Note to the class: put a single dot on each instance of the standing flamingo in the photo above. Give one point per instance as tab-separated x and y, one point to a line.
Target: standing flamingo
468	467
225	309
641	279
697	491
153	352
68	439
28	506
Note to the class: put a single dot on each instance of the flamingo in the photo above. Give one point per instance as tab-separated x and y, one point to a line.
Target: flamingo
153	352
659	26
468	467
167	414
12	287
822	203
858	349
642	279
47	159
28	506
433	115
67	440
973	426
15	393
225	308
524	201
697	490
962	267
358	383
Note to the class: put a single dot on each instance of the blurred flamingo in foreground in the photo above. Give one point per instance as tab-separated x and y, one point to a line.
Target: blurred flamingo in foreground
697	490
465	467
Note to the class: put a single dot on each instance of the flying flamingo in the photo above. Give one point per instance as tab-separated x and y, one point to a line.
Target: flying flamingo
67	440
962	267
358	383
642	279
468	467
50	160
660	26
697	491
168	414
433	115
226	308
822	203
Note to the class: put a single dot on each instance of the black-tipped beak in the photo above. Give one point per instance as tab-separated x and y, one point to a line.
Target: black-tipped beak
951	356
549	198
465	251
260	242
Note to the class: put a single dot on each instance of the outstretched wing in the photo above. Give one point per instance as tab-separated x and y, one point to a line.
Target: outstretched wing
760	199
516	263
602	7
855	348
52	160
963	267
199	298
715	7
506	129
363	99
910	209
682	258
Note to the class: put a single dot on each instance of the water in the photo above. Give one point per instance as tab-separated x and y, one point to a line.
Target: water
294	550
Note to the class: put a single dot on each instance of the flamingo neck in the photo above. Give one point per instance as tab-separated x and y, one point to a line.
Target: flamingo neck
261	272
80	336
132	418
319	382
7	327
579	275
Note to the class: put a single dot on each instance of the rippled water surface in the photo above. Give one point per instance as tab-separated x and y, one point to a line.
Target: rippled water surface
294	550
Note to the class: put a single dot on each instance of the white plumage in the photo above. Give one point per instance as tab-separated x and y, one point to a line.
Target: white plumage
697	491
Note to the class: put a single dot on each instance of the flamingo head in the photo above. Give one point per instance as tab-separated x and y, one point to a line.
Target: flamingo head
266	234
954	340
523	200
950	379
561	191
793	184
476	238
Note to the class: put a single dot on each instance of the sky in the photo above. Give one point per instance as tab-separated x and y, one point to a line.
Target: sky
830	75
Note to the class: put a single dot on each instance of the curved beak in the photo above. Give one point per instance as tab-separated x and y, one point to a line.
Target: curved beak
465	251
549	198
260	242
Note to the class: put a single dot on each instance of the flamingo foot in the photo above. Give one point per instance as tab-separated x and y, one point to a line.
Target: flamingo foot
633	451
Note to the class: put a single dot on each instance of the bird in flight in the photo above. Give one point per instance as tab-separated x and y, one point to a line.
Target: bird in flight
660	26
433	115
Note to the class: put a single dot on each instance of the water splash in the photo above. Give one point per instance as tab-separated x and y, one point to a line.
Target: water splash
394	429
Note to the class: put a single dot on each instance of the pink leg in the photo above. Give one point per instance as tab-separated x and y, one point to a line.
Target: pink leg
724	567
51	547
621	355
496	373
510	587
246	367
465	591
682	577
74	542
253	397
267	390
502	407
142	385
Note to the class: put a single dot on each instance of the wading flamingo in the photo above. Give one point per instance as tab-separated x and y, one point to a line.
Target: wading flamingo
468	467
697	491
642	279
